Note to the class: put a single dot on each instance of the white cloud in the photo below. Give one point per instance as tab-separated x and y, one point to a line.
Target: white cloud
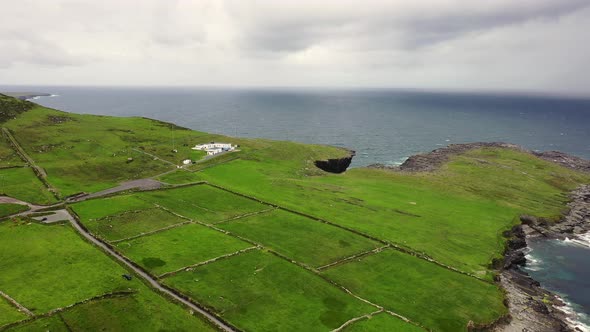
500	44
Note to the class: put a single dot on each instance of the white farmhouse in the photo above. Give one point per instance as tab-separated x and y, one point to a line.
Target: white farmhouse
214	148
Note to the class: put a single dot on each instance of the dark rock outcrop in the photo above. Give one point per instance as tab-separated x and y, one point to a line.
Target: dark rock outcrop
565	160
431	161
337	165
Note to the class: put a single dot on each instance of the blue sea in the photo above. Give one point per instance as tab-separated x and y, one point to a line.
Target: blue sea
382	126
563	267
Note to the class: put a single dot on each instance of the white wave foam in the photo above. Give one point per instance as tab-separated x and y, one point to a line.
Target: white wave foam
573	318
532	264
579	240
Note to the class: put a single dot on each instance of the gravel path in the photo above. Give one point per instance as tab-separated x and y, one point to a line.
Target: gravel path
142	184
58	215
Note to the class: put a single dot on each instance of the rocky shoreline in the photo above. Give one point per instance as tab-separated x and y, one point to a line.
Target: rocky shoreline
531	307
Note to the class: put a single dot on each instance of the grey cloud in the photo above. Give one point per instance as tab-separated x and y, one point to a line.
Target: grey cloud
33	49
171	26
390	26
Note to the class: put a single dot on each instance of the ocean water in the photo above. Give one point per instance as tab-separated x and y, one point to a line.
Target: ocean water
382	126
564	268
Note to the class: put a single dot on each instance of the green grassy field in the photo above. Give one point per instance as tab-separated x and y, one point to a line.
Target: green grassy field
141	311
97	158
132	223
8	209
455	215
203	203
300	238
440	299
47	267
179	247
382	322
258	291
8	156
52	324
94	209
21	183
9	313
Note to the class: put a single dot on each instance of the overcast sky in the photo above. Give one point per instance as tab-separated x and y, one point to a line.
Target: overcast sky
538	45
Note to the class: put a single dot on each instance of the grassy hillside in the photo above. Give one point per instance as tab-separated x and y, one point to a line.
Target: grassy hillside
270	242
11	107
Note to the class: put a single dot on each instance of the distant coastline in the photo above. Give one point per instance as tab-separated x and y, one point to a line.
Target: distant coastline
27	95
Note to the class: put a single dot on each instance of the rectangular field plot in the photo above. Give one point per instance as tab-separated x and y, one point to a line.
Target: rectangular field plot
94	209
439	299
203	203
300	238
21	183
47	267
132	223
175	248
257	291
9	313
142	311
382	322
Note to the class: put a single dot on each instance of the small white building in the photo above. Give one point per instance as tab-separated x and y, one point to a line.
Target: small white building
214	148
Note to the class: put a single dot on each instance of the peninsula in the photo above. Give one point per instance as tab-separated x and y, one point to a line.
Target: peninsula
101	230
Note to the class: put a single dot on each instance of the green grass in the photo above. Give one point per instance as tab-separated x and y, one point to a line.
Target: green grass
300	238
258	291
179	247
11	107
8	313
455	215
21	183
89	153
51	324
47	267
203	203
382	322
180	176
93	209
8	156
440	299
8	209
142	311
132	223
145	311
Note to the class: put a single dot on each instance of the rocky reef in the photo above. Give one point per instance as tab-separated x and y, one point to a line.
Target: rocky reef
427	162
337	165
